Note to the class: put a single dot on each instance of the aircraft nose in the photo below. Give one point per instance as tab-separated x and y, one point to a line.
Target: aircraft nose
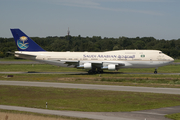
171	59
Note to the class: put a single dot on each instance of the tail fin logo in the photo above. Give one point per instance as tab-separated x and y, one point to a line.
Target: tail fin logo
22	43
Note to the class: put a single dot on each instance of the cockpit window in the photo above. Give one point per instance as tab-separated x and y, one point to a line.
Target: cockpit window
160	52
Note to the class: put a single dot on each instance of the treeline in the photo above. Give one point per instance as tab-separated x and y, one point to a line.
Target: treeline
96	44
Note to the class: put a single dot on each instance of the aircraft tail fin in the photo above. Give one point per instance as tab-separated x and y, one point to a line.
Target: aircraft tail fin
23	42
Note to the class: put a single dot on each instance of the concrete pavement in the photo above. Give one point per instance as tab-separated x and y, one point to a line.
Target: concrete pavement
94	87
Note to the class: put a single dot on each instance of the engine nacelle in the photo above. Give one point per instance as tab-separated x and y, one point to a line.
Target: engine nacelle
111	67
88	66
85	66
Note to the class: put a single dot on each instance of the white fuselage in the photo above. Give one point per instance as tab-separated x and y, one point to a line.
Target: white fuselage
123	58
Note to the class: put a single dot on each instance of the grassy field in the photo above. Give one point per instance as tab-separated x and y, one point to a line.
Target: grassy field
36	68
13	59
90	100
106	79
174	116
51	68
84	100
20	115
116	78
12	116
177	60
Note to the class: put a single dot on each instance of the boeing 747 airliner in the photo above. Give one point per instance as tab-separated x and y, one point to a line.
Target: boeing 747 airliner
94	62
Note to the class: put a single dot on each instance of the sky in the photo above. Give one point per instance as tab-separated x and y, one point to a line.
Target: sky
106	18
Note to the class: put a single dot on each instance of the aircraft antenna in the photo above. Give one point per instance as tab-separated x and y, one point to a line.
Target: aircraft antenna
68	32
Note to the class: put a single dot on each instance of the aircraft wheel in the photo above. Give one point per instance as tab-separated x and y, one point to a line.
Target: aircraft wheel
155	72
98	71
90	72
94	72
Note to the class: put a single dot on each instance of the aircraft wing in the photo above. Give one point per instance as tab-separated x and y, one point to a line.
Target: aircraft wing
93	62
96	64
71	62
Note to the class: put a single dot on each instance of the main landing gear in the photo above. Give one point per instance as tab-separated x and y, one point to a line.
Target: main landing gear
95	71
155	72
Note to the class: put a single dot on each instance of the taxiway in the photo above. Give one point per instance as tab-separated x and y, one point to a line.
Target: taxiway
93	87
154	114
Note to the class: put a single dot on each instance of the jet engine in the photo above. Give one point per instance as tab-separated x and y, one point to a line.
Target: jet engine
87	65
111	67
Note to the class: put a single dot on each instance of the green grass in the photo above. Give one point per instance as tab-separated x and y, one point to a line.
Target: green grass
151	80
43	115
12	59
177	60
165	69
143	80
174	116
51	68
84	100
107	79
36	68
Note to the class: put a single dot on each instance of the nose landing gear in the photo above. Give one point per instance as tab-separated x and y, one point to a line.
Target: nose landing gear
155	72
